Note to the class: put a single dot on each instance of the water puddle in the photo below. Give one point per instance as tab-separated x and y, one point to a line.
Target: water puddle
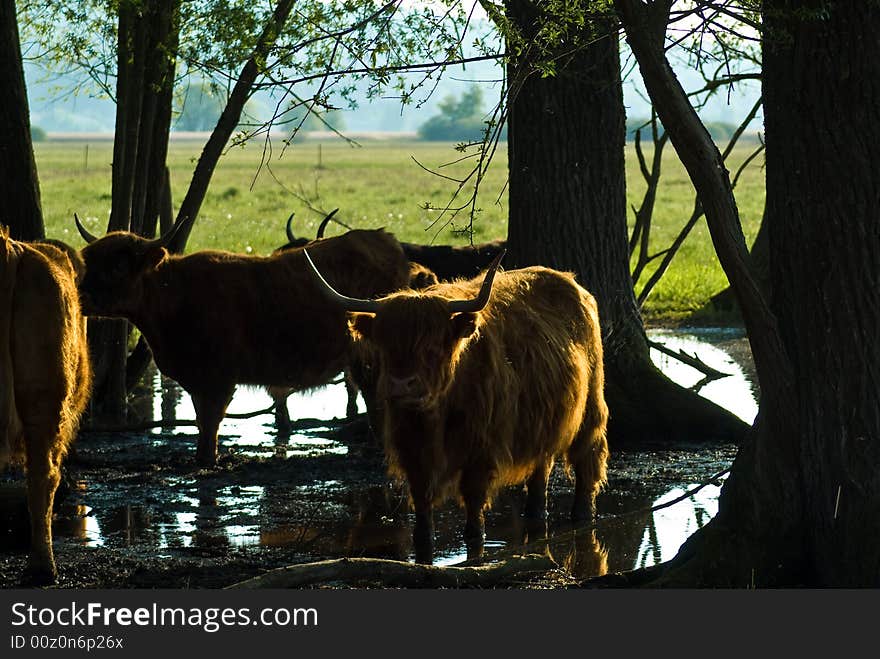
314	495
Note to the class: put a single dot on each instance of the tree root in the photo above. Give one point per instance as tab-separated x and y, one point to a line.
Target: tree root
389	573
647	407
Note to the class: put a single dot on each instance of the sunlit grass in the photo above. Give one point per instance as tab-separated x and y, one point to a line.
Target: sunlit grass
378	184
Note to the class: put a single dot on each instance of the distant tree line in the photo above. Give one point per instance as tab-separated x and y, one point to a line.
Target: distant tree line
463	119
719	130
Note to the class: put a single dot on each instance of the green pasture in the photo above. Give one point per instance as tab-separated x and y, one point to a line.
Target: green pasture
376	184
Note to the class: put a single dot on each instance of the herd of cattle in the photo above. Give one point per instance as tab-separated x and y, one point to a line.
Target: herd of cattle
474	378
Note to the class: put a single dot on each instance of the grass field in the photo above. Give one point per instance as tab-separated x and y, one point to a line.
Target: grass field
378	184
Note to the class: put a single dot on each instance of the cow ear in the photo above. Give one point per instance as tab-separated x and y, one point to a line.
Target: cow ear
464	324
155	255
361	325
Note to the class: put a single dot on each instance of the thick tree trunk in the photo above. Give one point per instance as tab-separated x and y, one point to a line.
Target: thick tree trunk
802	504
568	211
147	39
108	339
822	88
19	185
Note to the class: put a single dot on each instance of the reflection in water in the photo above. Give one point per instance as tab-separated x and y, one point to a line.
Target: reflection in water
79	523
667	528
324	518
734	392
375	522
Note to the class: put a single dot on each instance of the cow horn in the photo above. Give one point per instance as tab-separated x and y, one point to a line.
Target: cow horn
290	237
347	303
165	240
89	238
325	222
477	303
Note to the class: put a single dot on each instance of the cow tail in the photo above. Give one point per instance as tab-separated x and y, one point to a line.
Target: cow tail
590	448
8	418
597	417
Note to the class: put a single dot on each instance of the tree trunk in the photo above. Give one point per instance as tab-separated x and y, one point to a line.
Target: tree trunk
19	184
802	504
568	211
147	40
725	301
108	338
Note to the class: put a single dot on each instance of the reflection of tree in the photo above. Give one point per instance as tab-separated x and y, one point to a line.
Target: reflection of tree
653	546
128	524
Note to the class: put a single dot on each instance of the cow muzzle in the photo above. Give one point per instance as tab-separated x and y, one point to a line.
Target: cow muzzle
407	390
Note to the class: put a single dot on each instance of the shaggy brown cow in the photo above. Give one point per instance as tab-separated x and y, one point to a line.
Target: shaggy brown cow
419	277
281	394
216	319
431	263
484	387
45	376
449	262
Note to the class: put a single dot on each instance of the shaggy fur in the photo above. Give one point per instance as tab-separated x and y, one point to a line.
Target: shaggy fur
45	376
472	402
419	277
449	262
215	319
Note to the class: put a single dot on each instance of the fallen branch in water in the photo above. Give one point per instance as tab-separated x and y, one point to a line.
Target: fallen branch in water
400	573
299	424
691	360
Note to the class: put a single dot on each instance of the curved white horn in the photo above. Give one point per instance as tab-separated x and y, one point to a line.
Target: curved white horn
347	303
482	298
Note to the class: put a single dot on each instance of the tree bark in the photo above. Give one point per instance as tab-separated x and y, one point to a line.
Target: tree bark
568	211
108	338
147	40
19	184
802	504
725	301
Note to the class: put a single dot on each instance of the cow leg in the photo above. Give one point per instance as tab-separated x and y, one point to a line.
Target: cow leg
210	408
474	492
589	476
588	453
423	530
536	499
282	415
43	477
351	408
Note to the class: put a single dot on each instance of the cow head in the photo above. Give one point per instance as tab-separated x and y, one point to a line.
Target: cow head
417	338
114	269
294	242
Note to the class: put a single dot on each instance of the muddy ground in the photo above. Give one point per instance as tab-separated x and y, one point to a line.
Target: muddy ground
135	511
166	524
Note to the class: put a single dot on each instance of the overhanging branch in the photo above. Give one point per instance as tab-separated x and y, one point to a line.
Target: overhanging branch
705	166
